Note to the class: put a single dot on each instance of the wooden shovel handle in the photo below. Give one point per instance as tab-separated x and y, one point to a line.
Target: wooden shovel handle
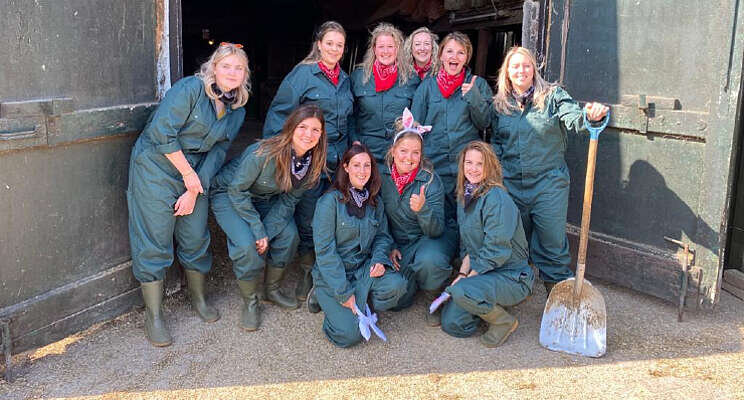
586	215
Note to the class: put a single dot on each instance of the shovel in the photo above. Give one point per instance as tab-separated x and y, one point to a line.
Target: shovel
575	318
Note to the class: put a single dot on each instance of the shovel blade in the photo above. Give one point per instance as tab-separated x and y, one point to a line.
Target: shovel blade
575	324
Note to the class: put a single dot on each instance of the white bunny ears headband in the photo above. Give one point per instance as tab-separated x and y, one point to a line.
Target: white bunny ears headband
408	123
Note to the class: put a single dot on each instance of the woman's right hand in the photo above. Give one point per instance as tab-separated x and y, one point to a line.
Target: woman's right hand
262	245
350	304
185	204
395	257
192	182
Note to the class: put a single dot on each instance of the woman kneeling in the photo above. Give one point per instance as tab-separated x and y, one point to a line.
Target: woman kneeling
494	271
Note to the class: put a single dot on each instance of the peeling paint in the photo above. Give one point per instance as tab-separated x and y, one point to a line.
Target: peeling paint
162	45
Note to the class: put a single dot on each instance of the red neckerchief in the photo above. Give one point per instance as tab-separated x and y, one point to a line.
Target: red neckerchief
421	71
332	75
402	180
385	75
449	83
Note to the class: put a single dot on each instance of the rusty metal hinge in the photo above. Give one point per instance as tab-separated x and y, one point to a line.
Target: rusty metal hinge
686	261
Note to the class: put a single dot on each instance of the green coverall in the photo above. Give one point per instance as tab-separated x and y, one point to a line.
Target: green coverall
531	146
185	120
249	205
346	247
425	245
306	83
375	112
491	234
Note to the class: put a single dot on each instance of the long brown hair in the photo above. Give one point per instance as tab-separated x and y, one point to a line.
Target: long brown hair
492	174
504	101
279	148
342	183
328	26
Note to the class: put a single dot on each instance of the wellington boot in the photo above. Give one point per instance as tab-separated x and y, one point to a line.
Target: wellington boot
155	329
250	315
196	282
549	287
305	263
312	302
274	294
434	319
501	324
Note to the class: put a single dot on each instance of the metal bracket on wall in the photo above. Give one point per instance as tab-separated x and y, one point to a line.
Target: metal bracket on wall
28	123
7	346
686	261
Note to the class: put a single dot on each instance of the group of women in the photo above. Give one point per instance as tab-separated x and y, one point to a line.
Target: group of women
373	202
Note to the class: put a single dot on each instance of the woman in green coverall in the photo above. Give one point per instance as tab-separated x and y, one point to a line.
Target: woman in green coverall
253	198
457	104
530	126
172	164
383	85
318	79
421	51
494	271
414	203
352	244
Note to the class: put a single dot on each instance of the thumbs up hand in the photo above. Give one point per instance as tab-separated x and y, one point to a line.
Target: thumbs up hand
418	200
467	86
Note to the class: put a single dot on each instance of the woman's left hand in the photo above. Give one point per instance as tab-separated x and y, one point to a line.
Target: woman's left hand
377	271
467	86
185	204
596	111
417	200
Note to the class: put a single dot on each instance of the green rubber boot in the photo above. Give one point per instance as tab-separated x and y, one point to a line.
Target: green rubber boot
196	283
306	280
155	329
436	318
250	315
501	324
274	294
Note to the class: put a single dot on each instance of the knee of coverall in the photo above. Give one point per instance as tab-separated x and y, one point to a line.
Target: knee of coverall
468	294
284	245
192	236
387	290
344	333
457	322
247	263
431	268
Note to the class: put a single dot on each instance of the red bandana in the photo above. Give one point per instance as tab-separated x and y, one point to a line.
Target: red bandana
421	71
332	75
449	83
385	75
402	180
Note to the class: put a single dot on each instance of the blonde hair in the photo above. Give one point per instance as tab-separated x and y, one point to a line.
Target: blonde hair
328	26
279	148
405	70
492	174
504	101
460	38
206	73
408	47
424	164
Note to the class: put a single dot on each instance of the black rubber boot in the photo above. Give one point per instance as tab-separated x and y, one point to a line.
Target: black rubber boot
250	315
436	318
155	329
549	287
274	294
196	282
501	324
312	302
305	263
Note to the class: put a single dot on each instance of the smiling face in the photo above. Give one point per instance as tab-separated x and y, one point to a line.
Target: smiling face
229	72
422	48
331	48
359	169
521	72
473	166
385	50
453	57
407	154
306	135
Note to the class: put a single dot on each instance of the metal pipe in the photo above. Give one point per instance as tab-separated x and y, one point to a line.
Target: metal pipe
454	20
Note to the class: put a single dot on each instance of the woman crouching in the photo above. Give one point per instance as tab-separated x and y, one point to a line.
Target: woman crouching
352	244
494	271
254	198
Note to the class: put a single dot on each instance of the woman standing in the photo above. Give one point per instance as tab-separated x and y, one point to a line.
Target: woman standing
352	244
414	203
318	79
494	271
253	199
532	120
421	51
383	85
457	104
172	164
